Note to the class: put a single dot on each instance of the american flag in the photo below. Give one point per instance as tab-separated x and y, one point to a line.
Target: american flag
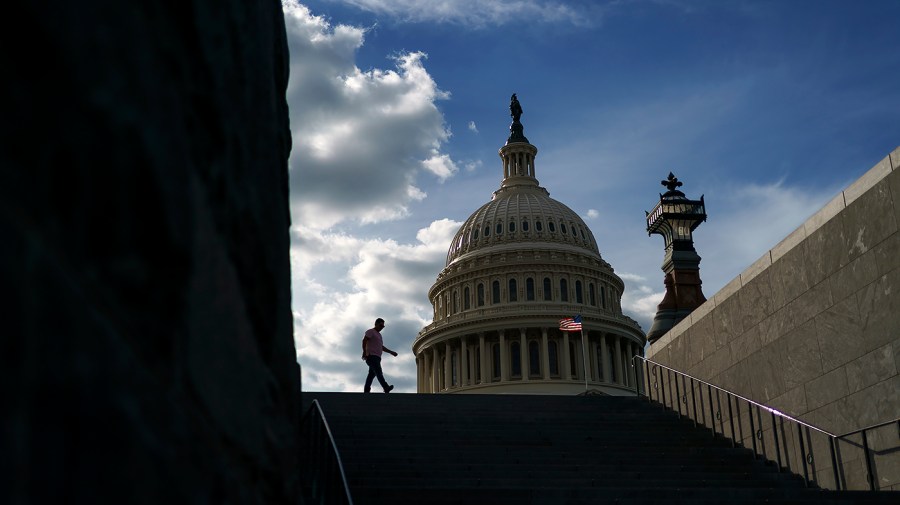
570	324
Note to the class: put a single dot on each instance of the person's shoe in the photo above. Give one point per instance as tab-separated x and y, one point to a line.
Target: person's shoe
389	388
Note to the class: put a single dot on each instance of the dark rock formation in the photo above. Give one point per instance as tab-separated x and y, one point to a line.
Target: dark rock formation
147	352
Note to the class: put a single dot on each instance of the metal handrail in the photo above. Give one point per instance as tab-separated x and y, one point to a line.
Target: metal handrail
756	432
323	470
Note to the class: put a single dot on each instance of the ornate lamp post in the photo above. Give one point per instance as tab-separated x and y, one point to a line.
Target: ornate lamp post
675	218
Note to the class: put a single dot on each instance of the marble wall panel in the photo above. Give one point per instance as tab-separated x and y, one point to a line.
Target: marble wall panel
802	357
871	368
776	326
810	303
854	276
755	300
886	253
746	344
826	388
823	258
869	220
839	331
879	310
789	275
793	402
893	181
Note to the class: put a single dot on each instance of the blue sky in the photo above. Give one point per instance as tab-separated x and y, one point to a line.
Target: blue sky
398	108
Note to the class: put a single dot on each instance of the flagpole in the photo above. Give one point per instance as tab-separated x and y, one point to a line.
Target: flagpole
584	359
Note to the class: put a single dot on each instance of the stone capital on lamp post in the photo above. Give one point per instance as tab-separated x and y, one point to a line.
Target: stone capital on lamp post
675	218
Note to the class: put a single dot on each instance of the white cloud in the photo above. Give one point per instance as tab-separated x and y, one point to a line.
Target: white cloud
359	138
382	279
472	126
593	214
472	166
477	13
440	165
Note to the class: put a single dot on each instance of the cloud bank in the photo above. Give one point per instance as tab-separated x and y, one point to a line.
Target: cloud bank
360	137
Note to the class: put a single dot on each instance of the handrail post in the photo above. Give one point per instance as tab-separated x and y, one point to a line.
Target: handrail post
760	434
869	476
803	455
694	401
752	430
775	438
834	465
712	416
731	421
678	396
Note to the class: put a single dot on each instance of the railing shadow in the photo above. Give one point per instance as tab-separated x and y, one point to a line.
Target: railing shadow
323	478
868	458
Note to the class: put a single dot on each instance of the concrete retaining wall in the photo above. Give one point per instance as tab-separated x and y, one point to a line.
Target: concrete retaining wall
812	328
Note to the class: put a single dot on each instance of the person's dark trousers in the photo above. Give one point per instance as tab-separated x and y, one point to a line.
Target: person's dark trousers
374	363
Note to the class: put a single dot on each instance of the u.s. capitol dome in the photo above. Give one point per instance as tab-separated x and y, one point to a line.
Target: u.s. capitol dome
517	266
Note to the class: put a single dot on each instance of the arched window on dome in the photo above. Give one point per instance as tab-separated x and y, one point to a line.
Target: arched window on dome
529	289
512	226
583	236
563	290
495	362
515	358
548	290
534	359
480	295
499	229
579	297
562	228
455	301
487	230
553	358
525	225
538	226
603	296
495	292
591	297
552	226
467	303
448	304
513	291
440	307
475	234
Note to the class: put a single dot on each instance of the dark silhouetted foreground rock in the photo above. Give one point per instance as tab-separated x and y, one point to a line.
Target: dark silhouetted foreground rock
147	352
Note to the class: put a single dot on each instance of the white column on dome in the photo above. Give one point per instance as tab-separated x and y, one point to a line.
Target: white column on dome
545	354
419	366
629	353
463	363
448	379
435	368
604	356
618	351
524	361
504	363
483	354
427	382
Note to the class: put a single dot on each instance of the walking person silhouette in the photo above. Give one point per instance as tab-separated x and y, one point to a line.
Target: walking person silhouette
372	349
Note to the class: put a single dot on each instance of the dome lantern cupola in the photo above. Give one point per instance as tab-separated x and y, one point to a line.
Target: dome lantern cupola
517	154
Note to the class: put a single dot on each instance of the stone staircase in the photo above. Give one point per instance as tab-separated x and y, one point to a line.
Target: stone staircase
514	449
